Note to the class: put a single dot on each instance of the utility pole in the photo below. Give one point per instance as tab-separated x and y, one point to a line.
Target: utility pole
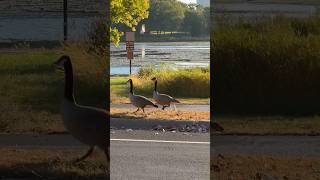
65	20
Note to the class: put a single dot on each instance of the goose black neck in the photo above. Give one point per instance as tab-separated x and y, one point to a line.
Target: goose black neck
155	85
68	88
131	87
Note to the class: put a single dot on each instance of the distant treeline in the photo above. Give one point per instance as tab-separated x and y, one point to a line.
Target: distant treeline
269	66
172	16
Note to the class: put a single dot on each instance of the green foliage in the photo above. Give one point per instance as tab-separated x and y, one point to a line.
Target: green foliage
98	38
165	15
267	66
197	21
127	12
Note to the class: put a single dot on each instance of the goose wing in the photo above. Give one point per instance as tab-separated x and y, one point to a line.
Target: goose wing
141	101
166	98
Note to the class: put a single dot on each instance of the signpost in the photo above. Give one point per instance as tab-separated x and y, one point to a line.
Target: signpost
65	20
130	46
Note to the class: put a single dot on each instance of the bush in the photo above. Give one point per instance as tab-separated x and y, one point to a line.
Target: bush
188	83
267	66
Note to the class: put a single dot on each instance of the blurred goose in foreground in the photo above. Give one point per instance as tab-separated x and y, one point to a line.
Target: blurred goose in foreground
216	127
162	99
137	100
87	124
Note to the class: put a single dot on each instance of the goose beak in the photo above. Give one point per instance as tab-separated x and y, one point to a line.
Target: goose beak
57	66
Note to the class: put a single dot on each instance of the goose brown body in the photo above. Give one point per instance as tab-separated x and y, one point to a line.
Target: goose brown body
88	125
162	99
137	100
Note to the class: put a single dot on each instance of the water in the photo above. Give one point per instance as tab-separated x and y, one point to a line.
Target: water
173	54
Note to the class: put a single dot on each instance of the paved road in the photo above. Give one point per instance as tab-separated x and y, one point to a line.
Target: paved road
133	158
173	155
199	107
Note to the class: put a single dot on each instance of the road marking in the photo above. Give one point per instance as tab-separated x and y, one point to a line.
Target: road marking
160	141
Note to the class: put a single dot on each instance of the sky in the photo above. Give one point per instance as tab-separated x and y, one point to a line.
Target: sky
188	1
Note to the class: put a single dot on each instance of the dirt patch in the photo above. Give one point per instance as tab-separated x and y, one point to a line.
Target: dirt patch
161	114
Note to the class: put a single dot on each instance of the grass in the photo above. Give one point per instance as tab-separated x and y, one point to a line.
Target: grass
272	125
263	167
162	115
49	164
31	89
119	93
267	66
188	85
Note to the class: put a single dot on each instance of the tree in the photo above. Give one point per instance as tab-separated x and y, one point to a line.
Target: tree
128	13
196	21
165	15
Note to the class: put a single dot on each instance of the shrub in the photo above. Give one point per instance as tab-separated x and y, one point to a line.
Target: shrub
267	66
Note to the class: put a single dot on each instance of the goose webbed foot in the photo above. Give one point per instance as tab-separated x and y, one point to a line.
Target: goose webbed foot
136	110
84	156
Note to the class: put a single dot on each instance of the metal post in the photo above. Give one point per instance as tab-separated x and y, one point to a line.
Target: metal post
130	66
65	20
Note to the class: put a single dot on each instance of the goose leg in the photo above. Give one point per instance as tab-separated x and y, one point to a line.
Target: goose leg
136	110
85	155
142	109
107	153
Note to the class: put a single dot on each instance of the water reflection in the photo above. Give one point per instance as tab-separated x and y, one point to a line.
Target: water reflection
174	54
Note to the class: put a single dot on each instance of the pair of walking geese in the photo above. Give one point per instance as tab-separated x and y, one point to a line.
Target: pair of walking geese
89	125
141	102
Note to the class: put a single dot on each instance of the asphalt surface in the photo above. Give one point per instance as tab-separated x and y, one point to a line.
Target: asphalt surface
137	154
198	107
145	154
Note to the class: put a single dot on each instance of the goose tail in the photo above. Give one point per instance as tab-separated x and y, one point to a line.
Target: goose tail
175	101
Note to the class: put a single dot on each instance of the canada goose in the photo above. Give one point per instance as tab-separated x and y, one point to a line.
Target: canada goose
162	99
137	100
87	124
216	127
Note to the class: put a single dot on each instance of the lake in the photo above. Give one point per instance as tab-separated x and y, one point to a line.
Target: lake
173	54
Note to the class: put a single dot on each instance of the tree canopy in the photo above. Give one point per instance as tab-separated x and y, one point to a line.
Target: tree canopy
165	15
128	13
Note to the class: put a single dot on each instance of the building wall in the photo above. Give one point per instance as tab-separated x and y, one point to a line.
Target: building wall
42	20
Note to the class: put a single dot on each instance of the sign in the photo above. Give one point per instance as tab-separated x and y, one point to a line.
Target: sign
130	44
130	55
130	36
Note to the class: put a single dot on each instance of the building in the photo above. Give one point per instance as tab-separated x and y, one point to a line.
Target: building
205	3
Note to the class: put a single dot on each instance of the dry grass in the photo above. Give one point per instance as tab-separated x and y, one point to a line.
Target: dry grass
260	167
162	115
31	89
50	164
125	100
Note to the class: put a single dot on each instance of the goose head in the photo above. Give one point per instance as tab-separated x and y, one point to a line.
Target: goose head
154	79
129	81
62	62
